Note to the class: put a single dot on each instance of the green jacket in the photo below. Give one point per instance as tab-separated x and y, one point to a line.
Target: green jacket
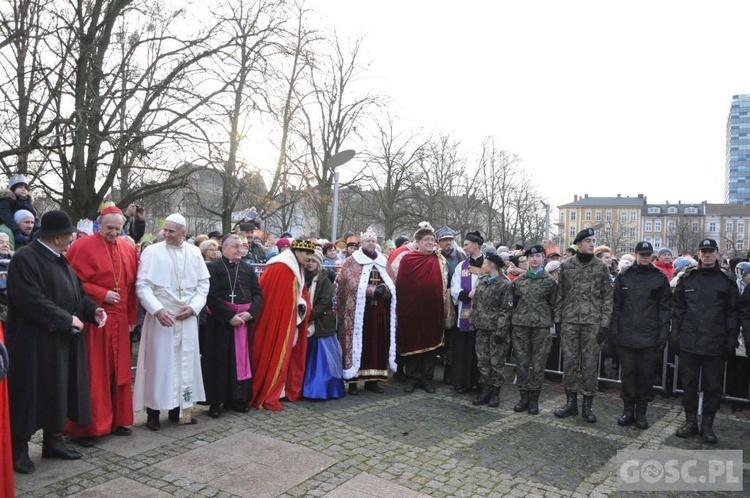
492	305
534	300
584	293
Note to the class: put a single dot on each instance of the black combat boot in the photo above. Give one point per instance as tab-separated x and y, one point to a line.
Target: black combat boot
21	461
587	413
534	402
523	404
627	416
53	447
640	415
570	407
690	427
484	395
494	399
707	429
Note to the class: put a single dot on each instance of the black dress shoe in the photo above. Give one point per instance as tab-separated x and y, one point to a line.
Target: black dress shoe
353	389
214	411
174	414
239	407
84	441
462	390
122	431
152	422
373	387
53	447
411	384
427	386
21	461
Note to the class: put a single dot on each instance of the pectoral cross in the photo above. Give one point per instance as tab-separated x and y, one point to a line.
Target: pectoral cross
232	296
179	291
374	280
117	289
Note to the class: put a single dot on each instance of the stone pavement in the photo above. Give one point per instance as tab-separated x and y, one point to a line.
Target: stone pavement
394	444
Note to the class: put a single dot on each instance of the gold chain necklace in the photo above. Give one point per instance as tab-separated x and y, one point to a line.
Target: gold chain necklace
116	275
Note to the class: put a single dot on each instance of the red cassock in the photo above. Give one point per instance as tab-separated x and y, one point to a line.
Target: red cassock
103	267
277	364
6	456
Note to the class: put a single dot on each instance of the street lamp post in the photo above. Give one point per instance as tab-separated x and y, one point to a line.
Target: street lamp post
334	161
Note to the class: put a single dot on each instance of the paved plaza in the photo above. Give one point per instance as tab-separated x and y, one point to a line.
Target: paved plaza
393	444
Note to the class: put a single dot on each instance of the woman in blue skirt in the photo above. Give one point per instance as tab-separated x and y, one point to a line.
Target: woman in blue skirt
324	374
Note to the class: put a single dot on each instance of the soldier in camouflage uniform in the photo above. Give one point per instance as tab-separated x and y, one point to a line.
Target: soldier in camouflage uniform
493	300
534	294
584	308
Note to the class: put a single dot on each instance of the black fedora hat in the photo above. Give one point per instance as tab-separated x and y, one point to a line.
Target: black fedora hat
55	223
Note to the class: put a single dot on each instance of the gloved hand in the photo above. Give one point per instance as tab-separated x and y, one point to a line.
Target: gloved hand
379	291
301	309
4	361
498	339
602	335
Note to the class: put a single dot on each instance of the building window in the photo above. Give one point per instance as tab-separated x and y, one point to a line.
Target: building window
572	231
740	227
624	216
632	232
632	216
740	245
691	210
671	227
695	226
672	210
623	232
730	226
654	210
670	242
608	232
588	215
657	242
598	216
712	226
648	225
657	226
609	215
572	216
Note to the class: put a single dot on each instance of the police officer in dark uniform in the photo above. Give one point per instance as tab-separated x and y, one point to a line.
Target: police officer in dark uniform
640	329
705	328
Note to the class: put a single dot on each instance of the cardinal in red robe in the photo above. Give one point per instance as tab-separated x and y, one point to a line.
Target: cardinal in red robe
421	288
280	337
107	266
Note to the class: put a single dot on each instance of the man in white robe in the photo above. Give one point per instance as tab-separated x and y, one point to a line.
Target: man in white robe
172	286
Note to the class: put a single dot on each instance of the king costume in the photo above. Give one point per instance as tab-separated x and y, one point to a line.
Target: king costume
280	337
367	316
103	266
169	370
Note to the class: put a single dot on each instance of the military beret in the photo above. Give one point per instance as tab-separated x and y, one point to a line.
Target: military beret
584	234
535	249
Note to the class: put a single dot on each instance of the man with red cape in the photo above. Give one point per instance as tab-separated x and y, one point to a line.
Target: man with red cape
422	290
280	338
107	266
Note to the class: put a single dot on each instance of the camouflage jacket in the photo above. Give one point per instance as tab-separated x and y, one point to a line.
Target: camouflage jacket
493	301
534	300
584	293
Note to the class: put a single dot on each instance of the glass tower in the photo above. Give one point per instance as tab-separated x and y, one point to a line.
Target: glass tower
737	189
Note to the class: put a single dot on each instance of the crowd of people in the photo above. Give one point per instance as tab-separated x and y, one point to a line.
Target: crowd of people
246	320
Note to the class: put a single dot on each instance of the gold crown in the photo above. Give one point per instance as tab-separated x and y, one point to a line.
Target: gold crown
303	245
368	234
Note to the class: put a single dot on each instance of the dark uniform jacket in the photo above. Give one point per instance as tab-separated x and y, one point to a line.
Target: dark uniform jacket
48	380
641	311
705	316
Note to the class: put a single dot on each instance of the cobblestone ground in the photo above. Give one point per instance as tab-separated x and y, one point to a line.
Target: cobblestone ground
393	444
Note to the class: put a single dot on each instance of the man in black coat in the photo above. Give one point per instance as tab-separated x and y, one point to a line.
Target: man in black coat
639	329
234	299
705	328
49	377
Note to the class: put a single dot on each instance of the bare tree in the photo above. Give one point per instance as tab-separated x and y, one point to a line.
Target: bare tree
391	169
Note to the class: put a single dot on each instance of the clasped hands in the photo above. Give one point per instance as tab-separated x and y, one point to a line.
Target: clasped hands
100	317
240	318
167	319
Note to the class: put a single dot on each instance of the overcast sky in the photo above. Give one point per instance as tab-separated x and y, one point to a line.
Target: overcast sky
596	97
